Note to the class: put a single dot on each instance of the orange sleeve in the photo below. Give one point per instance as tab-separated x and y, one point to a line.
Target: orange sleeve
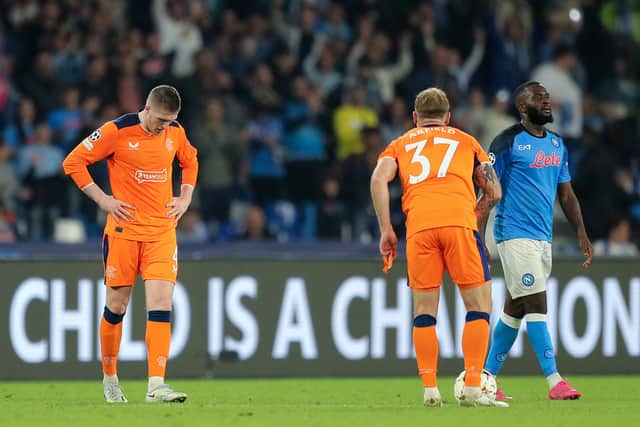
97	146
188	159
390	151
481	155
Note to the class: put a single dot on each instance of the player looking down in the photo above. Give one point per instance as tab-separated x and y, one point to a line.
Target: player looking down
140	236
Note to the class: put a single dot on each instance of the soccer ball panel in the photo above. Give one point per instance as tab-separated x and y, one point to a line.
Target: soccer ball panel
487	383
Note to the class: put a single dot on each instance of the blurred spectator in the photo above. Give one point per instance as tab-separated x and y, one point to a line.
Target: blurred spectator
618	242
154	65
129	87
496	119
256	225
471	117
356	173
397	122
348	121
368	62
510	49
619	94
305	152
40	170
332	210
96	83
66	121
266	164
464	71
8	179
7	224
69	61
222	153
300	38
21	130
320	66
42	82
191	228
566	98
178	35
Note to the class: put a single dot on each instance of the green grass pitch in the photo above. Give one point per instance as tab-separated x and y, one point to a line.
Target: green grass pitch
607	401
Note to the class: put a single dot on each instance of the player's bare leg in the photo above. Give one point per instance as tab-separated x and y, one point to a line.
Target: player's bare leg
425	340
117	299
159	295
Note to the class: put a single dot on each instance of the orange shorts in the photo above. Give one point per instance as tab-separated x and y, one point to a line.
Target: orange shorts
458	249
124	259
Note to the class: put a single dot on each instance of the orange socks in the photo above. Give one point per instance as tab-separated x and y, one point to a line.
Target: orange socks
158	340
110	336
475	339
425	341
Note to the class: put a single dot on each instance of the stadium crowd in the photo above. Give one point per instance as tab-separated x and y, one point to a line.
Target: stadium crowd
289	103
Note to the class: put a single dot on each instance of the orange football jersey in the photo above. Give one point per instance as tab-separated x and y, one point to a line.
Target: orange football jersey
436	165
140	171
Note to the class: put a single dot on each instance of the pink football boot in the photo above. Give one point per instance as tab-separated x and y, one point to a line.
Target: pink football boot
563	391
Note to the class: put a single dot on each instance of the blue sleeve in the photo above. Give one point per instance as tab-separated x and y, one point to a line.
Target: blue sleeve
564	176
500	153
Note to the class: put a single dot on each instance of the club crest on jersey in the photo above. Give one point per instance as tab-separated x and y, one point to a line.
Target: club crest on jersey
555	142
134	145
169	144
151	176
492	158
543	161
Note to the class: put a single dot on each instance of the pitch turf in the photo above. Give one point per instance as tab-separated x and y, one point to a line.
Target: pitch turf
607	401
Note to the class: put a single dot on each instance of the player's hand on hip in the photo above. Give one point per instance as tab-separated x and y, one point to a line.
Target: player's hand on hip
179	206
118	209
388	242
587	250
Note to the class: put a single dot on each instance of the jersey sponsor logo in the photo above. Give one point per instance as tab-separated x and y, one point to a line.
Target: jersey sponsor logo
95	135
134	145
151	176
543	161
524	147
528	279
492	158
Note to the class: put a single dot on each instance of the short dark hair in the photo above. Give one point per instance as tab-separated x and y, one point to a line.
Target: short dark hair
519	91
165	96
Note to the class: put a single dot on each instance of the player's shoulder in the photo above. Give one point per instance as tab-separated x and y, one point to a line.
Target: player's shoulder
461	135
126	121
504	140
555	137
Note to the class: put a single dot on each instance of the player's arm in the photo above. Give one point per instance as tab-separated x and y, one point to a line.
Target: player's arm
93	148
485	178
188	161
382	175
571	208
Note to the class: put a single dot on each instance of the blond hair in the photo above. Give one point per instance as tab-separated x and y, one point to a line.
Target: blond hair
431	103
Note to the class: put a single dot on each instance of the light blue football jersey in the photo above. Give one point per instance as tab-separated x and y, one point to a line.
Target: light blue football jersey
530	169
